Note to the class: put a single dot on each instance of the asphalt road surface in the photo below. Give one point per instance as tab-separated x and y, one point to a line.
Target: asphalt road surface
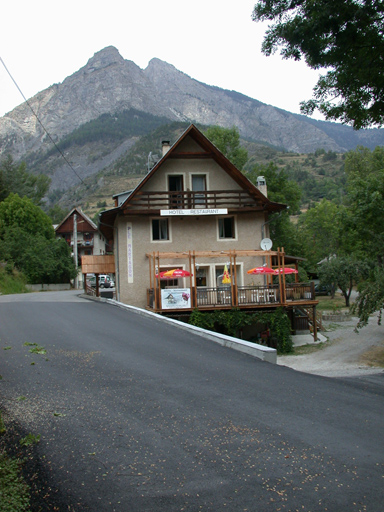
136	415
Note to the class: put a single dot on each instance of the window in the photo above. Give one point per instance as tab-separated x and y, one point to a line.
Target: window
199	184
160	229
175	187
227	227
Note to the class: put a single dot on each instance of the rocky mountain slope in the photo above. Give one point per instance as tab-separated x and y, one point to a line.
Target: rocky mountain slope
111	85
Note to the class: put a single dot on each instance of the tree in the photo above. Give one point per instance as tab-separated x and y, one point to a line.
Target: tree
281	190
57	214
344	37
365	196
227	140
322	230
27	241
15	179
370	298
21	212
343	273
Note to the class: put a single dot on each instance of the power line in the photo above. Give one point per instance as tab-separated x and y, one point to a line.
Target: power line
41	124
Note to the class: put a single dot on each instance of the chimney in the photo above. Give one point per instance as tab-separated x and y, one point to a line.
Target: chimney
262	185
166	145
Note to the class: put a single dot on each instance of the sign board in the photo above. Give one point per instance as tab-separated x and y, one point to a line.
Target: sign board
130	252
194	212
176	298
102	264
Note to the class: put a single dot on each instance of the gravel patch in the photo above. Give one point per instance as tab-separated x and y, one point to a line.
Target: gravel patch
342	353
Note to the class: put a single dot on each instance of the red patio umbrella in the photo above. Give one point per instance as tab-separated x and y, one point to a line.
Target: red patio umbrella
261	270
173	274
286	270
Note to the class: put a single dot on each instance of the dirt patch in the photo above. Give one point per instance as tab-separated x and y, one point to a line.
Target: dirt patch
373	357
345	354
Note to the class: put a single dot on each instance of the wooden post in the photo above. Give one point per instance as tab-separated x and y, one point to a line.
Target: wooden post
150	271
158	288
97	285
282	256
314	324
234	288
193	282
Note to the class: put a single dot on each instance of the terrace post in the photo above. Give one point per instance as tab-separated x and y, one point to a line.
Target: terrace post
314	324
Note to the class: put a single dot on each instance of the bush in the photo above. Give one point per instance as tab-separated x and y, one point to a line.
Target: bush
27	241
11	280
231	323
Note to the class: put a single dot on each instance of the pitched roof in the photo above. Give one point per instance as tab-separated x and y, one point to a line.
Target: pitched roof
212	151
80	212
107	217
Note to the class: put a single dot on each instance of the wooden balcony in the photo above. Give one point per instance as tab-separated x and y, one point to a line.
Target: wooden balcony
153	202
242	297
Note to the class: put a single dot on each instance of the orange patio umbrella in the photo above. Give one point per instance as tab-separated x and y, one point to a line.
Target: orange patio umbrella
173	274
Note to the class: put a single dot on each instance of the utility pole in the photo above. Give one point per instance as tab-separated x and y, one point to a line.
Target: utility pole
75	247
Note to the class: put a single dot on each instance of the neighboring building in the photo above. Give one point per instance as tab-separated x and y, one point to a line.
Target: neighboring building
90	241
195	211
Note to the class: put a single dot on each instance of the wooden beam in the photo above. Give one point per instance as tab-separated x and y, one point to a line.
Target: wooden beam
216	254
191	155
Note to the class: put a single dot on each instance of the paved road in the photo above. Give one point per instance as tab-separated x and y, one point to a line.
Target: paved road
138	416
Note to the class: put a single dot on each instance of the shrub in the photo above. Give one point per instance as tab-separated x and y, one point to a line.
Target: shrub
231	323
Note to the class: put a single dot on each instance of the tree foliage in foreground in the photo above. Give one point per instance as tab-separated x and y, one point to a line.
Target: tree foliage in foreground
344	37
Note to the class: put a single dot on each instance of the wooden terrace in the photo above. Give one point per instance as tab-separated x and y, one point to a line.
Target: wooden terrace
269	295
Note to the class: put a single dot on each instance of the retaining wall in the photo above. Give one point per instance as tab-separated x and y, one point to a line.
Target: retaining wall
49	287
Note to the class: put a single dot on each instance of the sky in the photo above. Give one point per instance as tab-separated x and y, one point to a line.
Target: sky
212	41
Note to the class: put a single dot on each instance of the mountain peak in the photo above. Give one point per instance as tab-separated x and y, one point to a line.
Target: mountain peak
104	58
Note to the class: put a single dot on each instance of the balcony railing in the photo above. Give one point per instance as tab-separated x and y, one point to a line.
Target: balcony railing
212	199
243	297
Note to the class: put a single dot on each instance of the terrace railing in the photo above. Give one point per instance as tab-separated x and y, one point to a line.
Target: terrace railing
186	199
243	297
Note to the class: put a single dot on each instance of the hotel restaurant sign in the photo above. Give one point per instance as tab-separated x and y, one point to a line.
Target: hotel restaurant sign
194	212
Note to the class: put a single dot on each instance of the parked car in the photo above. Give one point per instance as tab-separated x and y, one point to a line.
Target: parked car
321	289
104	281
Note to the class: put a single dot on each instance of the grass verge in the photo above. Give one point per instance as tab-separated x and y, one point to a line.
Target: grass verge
329	305
14	491
11	281
25	475
308	349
